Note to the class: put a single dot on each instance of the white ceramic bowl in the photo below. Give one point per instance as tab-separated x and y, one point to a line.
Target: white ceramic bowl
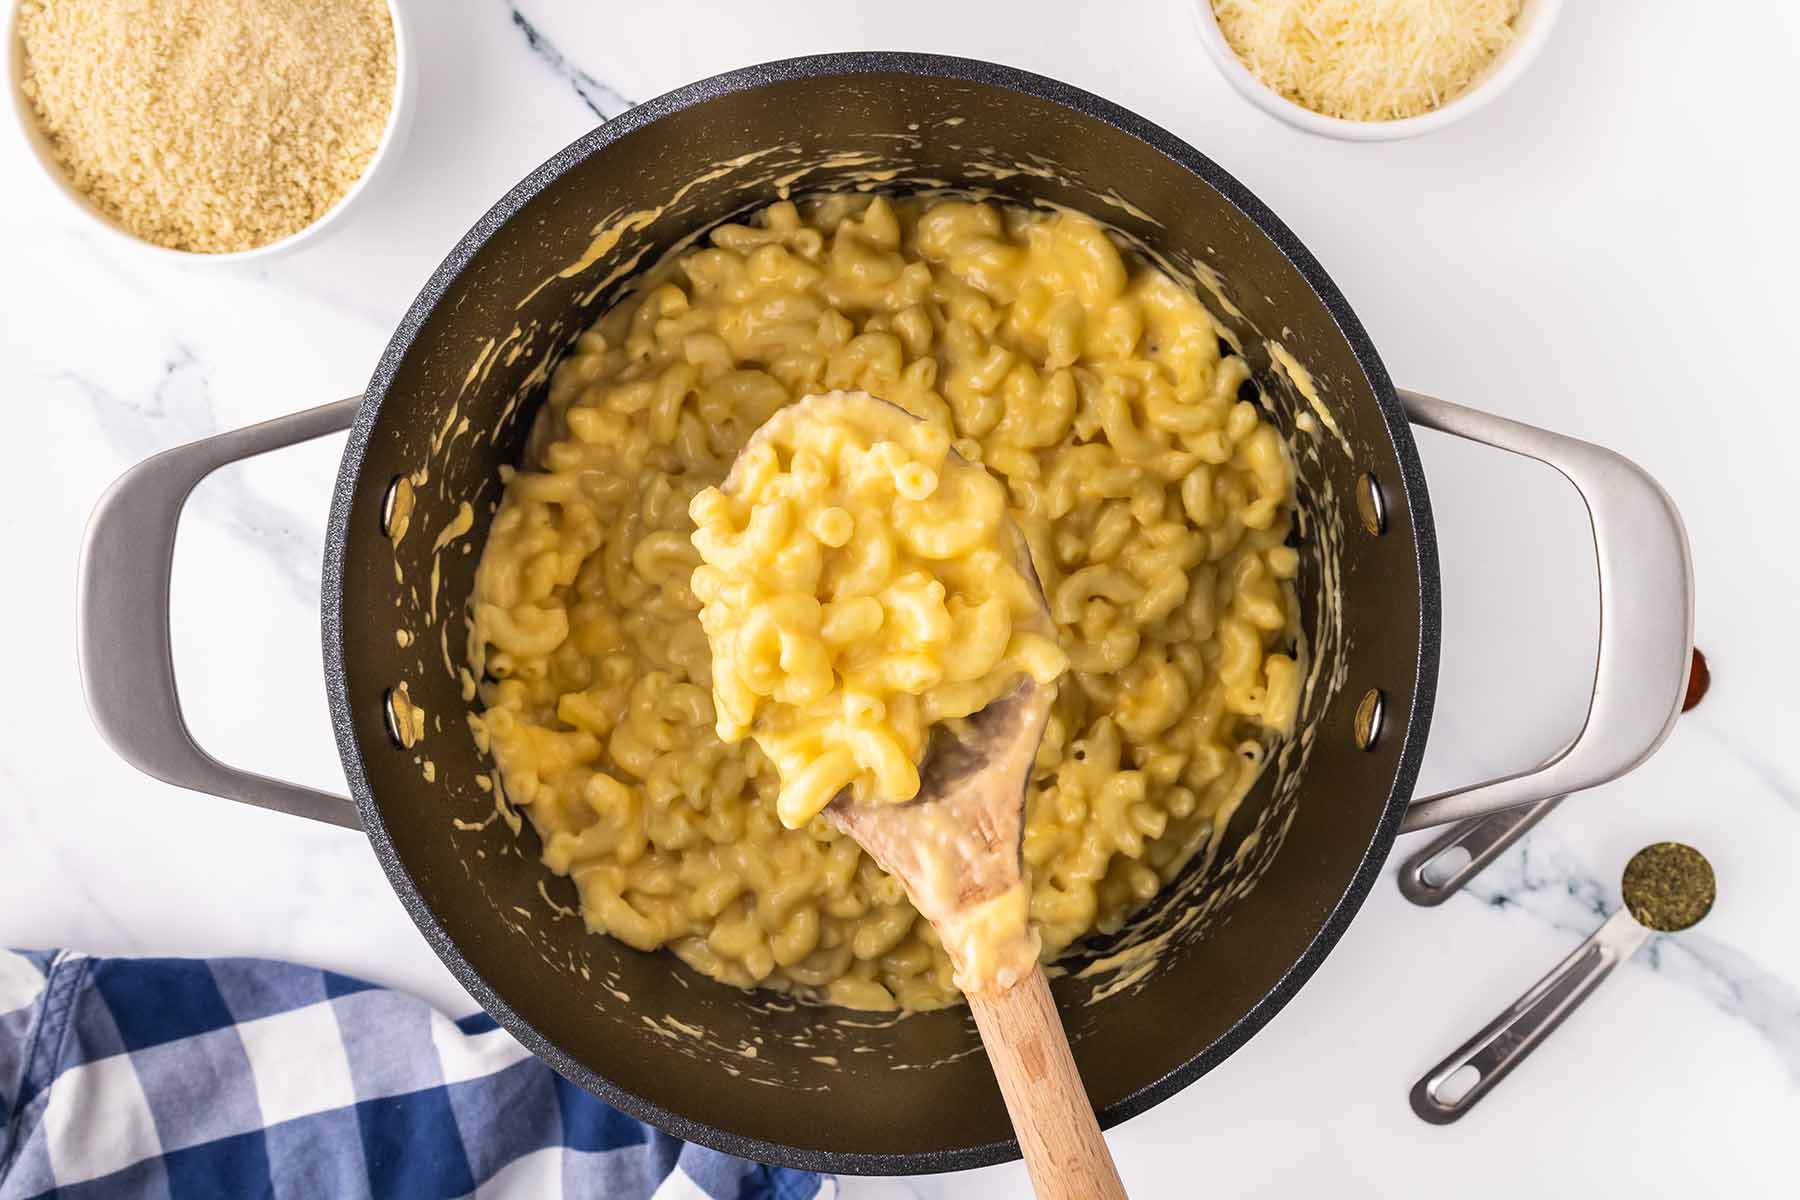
399	122
1533	24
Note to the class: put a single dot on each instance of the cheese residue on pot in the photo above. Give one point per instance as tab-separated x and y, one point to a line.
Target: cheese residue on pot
1367	60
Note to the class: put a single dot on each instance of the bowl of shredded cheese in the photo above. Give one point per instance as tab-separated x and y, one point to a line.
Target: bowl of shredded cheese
210	130
1374	70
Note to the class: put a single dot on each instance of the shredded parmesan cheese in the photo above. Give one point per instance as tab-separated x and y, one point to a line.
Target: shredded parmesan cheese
1367	60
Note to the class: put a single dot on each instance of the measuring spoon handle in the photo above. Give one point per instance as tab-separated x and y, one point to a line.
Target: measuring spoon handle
1483	838
1515	1033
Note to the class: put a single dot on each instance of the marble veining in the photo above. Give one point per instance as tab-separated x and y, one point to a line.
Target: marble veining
68	864
1737	984
179	409
601	99
1765	770
1545	880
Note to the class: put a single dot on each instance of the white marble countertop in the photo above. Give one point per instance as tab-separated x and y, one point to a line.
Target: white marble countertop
1609	251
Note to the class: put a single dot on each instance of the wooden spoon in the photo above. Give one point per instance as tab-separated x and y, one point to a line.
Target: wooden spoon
955	848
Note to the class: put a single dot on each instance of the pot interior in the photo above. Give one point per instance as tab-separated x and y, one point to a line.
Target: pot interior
1216	954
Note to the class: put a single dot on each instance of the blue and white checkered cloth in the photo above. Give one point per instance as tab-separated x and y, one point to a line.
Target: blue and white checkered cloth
243	1078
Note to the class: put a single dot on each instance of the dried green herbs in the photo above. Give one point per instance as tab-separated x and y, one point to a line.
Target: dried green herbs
1669	887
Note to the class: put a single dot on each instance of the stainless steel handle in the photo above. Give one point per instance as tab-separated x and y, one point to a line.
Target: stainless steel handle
1646	615
1515	1033
122	638
1484	838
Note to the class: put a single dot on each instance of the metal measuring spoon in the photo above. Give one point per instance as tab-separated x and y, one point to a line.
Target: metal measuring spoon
1668	887
1483	839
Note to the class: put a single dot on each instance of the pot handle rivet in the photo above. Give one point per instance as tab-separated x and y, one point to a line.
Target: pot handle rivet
1371	505
1369	712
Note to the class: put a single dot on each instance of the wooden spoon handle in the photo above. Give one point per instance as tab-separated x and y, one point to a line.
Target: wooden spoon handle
1064	1151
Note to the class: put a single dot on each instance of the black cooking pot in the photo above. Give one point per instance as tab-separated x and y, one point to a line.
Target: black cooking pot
642	1031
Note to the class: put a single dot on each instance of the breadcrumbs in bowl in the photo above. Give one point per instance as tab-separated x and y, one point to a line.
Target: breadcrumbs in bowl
212	128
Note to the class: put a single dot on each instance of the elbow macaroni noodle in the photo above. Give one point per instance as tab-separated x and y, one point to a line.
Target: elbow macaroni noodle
1155	503
859	584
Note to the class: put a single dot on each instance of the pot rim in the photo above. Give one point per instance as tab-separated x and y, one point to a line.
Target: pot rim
1411	482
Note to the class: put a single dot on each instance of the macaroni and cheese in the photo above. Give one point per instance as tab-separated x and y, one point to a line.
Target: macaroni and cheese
858	585
1156	504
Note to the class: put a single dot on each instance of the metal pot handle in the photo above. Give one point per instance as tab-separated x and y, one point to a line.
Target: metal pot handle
1482	839
1646	615
122	635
